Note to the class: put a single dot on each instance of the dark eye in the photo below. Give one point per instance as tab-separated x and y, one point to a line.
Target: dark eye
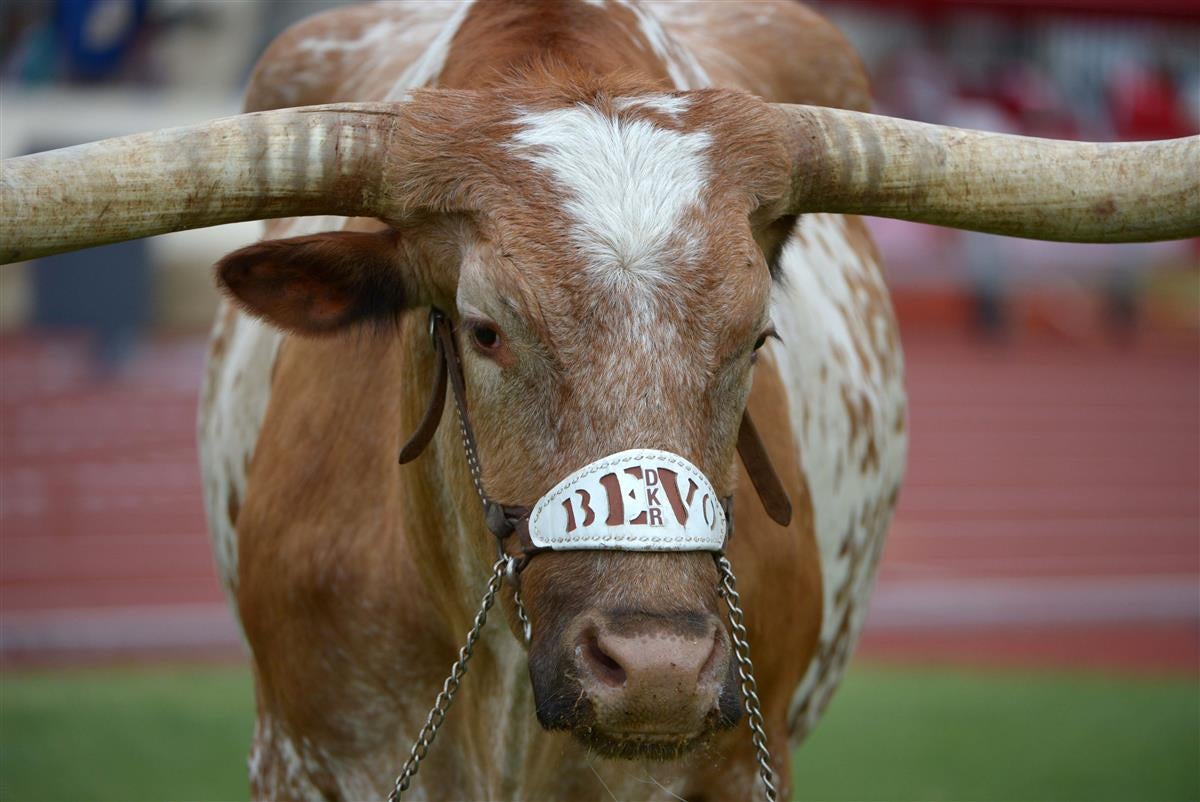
485	335
762	340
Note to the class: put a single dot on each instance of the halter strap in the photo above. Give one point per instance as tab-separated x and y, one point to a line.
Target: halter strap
505	521
762	473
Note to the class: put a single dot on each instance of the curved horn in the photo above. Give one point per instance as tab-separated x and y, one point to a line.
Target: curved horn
855	163
304	161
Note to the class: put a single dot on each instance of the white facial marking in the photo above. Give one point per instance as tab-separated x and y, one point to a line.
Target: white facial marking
670	105
627	182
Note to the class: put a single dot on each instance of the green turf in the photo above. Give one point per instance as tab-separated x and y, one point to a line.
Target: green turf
941	735
136	734
889	735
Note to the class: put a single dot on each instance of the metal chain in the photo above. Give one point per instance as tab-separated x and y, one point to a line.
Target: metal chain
441	705
741	650
472	457
523	616
477	480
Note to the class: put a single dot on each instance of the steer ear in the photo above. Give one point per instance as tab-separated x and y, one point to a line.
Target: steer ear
320	283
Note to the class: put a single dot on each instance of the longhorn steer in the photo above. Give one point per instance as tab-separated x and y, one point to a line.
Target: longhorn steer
615	244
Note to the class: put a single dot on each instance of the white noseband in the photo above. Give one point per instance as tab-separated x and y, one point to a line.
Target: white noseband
637	500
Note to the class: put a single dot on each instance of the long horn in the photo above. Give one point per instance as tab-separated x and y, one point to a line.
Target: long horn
857	163
304	161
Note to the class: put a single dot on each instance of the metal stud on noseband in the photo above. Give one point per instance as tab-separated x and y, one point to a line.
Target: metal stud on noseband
508	522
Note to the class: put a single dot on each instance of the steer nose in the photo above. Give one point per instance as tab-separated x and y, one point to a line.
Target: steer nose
652	677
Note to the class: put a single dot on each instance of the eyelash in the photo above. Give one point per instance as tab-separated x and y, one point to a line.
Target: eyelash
770	333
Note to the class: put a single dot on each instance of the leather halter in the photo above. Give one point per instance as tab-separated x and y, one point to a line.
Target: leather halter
505	521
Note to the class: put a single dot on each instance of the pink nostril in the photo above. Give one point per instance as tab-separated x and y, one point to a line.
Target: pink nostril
604	667
714	664
655	659
651	677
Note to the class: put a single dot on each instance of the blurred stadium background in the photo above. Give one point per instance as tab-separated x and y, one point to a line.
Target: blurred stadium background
1036	629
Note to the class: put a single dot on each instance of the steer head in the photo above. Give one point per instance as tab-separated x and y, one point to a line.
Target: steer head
606	257
607	272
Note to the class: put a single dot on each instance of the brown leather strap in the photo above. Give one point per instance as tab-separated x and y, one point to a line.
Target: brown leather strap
501	521
526	550
448	366
762	473
443	332
433	412
504	521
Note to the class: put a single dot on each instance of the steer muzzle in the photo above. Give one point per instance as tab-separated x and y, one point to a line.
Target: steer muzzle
637	685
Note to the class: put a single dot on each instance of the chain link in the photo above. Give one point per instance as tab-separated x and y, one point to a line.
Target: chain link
472	457
523	617
441	705
741	650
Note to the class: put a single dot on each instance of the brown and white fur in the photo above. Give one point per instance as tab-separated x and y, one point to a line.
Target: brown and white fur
355	579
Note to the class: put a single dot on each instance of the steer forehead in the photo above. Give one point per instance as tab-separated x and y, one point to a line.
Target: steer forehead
629	231
633	205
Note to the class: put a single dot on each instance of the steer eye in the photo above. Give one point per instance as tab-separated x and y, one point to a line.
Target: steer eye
485	336
762	340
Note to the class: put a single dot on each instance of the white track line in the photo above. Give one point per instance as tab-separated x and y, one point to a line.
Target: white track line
948	603
167	627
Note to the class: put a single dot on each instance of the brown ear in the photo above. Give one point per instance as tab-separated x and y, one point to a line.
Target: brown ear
320	283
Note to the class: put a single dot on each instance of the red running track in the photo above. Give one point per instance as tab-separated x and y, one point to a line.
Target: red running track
1051	514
